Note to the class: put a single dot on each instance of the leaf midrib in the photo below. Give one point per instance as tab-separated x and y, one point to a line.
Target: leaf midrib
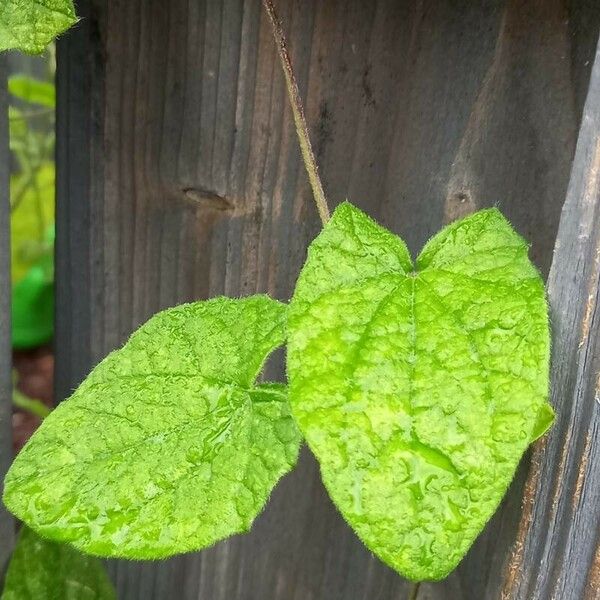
400	279
415	444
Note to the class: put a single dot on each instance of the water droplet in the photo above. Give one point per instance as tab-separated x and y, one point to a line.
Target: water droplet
193	456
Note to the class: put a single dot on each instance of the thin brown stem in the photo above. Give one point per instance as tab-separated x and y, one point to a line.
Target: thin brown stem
297	109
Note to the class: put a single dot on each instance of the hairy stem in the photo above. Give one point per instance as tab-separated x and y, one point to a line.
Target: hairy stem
414	590
299	120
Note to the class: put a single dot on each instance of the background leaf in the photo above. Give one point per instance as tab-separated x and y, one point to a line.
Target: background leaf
418	391
44	570
30	25
168	446
32	90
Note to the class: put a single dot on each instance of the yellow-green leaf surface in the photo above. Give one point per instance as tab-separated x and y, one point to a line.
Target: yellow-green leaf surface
43	570
169	445
30	25
30	218
418	388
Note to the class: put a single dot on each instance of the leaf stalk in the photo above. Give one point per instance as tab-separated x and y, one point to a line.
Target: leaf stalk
413	593
298	111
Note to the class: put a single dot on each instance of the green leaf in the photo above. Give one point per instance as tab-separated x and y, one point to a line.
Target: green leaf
418	391
169	445
43	569
30	25
545	418
31	90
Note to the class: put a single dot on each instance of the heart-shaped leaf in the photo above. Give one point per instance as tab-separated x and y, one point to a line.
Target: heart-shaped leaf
418	389
169	445
40	569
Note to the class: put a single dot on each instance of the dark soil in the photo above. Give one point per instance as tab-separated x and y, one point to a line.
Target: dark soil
36	380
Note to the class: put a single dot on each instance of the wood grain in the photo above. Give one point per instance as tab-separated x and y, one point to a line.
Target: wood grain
558	542
6	522
179	177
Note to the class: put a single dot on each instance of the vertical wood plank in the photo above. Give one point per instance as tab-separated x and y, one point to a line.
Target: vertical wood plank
179	178
557	553
78	129
6	522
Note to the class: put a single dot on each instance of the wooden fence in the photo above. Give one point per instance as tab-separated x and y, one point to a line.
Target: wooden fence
179	177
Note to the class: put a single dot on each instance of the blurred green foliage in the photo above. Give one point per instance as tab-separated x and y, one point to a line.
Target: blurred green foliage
31	405
32	90
31	117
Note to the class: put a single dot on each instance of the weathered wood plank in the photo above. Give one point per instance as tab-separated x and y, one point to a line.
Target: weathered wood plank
6	522
180	178
76	124
557	553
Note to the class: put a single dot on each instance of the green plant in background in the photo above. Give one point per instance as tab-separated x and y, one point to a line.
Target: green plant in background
31	405
43	570
418	385
30	25
31	118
